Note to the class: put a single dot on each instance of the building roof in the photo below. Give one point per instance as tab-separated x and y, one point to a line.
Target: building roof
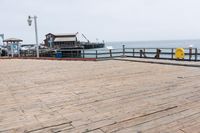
12	40
63	34
65	39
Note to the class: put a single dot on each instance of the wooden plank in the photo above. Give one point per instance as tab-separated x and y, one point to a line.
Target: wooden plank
42	96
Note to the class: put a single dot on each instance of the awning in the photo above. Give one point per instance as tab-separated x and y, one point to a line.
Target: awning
65	39
12	40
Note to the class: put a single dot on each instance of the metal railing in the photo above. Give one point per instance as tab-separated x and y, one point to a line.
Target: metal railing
191	54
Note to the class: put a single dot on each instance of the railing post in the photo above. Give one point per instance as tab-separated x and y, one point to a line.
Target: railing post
96	54
123	50
144	53
196	54
158	51
190	54
133	52
172	54
140	53
110	53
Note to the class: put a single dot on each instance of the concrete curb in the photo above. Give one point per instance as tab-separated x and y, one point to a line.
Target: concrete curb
49	58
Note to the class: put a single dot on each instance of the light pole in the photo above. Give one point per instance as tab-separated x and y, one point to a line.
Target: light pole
36	32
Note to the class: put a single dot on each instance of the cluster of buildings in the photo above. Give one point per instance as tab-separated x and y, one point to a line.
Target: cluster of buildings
51	41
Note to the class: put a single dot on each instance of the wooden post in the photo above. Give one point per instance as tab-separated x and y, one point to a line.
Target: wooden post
96	54
158	51
110	53
172	54
190	53
133	52
141	53
123	50
196	54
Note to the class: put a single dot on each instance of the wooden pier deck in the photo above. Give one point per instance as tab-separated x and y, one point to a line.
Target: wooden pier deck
38	96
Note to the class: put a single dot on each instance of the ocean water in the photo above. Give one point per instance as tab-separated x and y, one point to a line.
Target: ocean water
156	44
117	47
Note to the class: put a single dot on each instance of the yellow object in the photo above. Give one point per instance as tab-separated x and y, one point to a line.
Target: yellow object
180	53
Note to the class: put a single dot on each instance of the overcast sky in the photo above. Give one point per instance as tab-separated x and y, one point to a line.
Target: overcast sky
109	20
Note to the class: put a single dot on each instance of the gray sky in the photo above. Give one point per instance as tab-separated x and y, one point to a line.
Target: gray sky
109	20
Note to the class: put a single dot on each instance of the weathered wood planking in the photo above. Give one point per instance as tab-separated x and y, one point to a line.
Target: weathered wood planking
98	97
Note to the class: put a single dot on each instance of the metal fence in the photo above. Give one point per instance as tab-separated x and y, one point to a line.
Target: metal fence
191	54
